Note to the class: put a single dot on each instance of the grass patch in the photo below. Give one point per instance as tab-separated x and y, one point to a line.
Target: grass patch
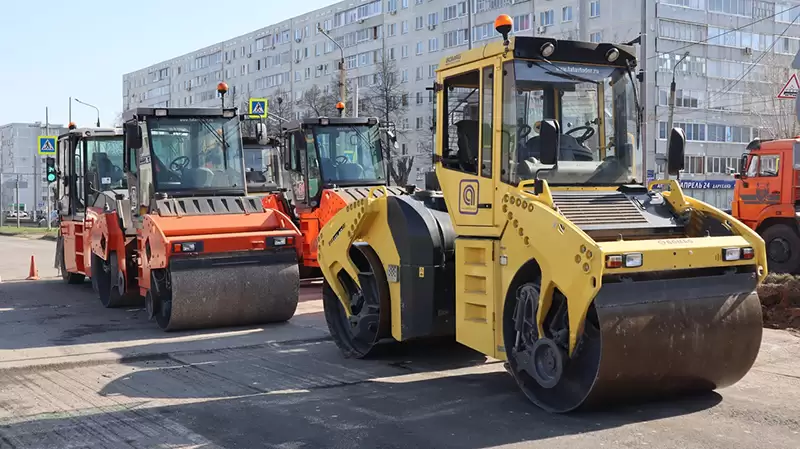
28	231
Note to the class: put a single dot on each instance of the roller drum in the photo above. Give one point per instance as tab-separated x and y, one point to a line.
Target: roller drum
231	294
656	339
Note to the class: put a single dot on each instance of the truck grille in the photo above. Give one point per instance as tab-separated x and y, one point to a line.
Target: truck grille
590	210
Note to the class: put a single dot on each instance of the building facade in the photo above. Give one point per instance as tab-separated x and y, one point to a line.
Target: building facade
732	46
21	166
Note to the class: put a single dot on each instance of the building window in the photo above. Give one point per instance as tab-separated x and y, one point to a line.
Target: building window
546	17
419	48
681	31
594	8
786	12
404	27
737	8
693	4
433	44
419	23
596	37
522	23
694	165
683	98
566	14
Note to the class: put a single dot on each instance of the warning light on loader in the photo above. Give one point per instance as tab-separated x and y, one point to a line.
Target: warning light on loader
222	87
72	125
503	24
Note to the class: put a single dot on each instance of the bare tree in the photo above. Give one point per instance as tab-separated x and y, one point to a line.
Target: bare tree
118	120
315	102
281	106
776	117
387	99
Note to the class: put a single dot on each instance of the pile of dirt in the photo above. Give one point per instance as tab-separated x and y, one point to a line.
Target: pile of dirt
780	301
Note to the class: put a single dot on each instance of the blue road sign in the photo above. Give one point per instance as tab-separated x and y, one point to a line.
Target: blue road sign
47	145
258	107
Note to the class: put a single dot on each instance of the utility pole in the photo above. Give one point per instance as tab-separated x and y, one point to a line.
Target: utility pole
672	98
16	198
469	24
47	184
644	41
342	70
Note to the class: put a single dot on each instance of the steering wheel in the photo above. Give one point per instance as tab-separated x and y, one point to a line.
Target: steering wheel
588	132
523	131
339	160
179	166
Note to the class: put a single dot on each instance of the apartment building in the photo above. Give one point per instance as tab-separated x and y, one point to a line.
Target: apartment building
20	165
734	47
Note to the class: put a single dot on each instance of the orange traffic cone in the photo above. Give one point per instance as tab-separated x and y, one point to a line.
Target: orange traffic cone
33	273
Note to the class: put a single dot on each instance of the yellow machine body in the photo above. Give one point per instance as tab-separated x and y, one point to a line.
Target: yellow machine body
457	261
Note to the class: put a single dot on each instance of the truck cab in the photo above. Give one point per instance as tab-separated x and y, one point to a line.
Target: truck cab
766	198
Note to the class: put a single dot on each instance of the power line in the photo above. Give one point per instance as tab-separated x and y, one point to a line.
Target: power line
729	31
754	63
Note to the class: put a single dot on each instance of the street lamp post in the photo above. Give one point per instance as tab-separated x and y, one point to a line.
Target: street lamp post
91	106
672	97
342	71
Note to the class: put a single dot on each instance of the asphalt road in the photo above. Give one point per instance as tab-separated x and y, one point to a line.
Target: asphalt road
75	375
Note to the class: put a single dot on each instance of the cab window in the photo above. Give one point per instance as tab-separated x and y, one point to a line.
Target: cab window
769	165
460	142
752	167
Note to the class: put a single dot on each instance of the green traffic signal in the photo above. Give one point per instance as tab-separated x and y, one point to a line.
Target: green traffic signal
51	169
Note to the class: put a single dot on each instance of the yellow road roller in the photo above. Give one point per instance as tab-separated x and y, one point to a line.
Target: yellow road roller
543	247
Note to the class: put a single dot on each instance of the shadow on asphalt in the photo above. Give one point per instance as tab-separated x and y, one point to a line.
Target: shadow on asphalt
49	312
305	394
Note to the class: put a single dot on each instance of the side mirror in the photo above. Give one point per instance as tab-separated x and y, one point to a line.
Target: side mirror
261	132
133	141
549	142
677	145
287	156
743	164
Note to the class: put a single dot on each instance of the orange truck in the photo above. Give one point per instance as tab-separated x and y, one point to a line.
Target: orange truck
767	199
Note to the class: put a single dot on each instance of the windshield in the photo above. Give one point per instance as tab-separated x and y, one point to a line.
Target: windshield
261	164
347	153
188	153
596	108
105	163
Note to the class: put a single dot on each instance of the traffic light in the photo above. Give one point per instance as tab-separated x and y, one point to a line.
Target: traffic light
51	169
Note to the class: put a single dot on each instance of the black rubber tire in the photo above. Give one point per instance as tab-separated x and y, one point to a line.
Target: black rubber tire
69	278
337	321
771	236
102	280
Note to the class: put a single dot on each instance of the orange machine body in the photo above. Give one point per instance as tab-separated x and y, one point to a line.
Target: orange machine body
76	236
160	237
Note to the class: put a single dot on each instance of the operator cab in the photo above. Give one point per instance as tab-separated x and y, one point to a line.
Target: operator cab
90	163
325	153
261	157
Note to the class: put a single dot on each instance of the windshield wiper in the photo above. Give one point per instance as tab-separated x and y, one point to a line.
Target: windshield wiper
565	73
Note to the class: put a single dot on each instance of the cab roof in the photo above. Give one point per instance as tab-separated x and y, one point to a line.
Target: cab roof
92	132
334	121
139	113
527	47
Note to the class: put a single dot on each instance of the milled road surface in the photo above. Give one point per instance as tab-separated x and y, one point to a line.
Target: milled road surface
75	375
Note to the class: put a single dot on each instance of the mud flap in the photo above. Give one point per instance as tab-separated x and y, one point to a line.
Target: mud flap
233	290
663	337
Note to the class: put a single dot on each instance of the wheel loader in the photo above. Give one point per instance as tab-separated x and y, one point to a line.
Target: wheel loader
88	174
543	248
185	235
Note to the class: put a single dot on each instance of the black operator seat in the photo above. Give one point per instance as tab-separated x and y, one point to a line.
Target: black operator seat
467	144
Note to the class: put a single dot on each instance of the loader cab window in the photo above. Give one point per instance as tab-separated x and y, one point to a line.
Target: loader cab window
191	154
105	165
78	178
345	155
461	140
596	110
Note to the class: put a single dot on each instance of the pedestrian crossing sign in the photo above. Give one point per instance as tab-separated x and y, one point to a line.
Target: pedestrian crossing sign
47	145
258	107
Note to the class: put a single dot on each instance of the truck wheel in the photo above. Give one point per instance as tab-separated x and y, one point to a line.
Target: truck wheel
783	249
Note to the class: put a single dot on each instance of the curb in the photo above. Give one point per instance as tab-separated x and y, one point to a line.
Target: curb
30	236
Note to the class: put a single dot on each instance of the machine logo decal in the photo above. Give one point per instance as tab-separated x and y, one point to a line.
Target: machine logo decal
762	195
468	200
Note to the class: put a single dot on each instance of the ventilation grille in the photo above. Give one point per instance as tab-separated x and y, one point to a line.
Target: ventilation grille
592	210
173	207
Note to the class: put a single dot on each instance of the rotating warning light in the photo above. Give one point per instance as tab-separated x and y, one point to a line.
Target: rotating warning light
51	169
222	87
340	105
72	125
503	24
